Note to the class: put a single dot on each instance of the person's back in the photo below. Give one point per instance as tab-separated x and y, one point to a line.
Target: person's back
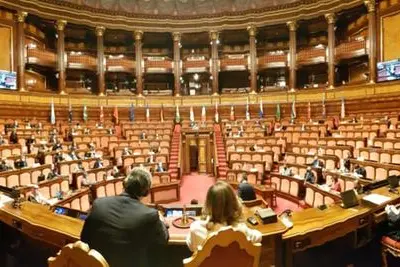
125	231
246	191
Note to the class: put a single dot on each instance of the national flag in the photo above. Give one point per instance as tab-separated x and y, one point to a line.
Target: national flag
293	114
216	117
131	113
232	116
52	113
323	107
191	115
147	113
85	114
203	114
162	113
247	110
261	112
309	112
115	115
342	110
278	112
177	115
70	113
101	115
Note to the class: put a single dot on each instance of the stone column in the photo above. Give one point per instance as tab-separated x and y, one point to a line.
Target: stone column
292	25
214	61
139	58
253	58
100	59
21	51
177	63
331	19
371	6
61	55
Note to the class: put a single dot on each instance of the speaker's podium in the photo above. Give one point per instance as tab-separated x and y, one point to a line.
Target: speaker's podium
197	149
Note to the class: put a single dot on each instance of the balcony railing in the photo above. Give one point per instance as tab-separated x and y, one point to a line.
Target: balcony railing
272	61
41	57
351	49
121	65
310	56
82	62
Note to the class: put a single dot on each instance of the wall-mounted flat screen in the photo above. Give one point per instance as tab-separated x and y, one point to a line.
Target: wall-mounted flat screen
8	80
389	70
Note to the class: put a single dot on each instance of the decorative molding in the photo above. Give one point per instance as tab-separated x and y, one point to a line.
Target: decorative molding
100	31
330	18
176	36
252	31
61	24
214	35
371	5
21	16
292	25
138	35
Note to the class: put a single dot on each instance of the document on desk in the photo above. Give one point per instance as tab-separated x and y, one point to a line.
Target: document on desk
4	199
376	199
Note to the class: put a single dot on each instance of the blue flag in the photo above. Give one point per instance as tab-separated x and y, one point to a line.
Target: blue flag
52	114
131	113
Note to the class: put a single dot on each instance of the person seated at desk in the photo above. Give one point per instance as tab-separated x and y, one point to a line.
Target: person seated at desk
245	190
53	173
15	124
222	210
36	197
29	143
92	151
13	137
142	136
20	163
4	166
70	135
58	157
99	125
52	138
57	145
317	163
150	159
335	185
41	155
110	131
309	176
124	230
360	171
346	162
126	152
98	163
253	148
78	126
286	171
115	172
86	131
159	167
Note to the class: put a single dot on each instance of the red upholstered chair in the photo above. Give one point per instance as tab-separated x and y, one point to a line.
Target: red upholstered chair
226	248
77	255
391	246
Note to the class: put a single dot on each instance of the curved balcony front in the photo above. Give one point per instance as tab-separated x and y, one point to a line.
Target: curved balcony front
351	49
234	63
272	61
196	65
41	57
85	62
158	65
120	65
311	56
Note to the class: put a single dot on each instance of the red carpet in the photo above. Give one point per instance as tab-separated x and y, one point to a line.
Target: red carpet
195	186
174	154
222	163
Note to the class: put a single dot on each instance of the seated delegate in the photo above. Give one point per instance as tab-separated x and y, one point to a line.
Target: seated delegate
245	190
219	215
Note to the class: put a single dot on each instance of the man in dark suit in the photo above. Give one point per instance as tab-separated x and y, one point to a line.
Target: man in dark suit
245	190
309	176
360	171
125	231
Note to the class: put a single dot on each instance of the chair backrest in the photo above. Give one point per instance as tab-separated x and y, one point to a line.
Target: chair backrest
226	248
77	254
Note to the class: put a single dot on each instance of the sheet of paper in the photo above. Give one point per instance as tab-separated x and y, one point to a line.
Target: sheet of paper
376	198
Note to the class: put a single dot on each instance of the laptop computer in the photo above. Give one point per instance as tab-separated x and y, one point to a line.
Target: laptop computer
349	199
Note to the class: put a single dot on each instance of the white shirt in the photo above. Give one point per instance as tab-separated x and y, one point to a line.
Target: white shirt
199	233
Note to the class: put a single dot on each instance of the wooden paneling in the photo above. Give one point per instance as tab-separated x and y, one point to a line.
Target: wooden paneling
391	36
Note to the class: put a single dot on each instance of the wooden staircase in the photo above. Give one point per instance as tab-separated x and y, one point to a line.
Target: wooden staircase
221	153
174	153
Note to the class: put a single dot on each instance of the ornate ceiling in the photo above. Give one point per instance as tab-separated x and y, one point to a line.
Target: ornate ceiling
183	7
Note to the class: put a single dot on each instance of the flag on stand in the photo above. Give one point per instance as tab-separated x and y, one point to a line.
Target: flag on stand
247	110
323	107
177	115
70	113
309	112
293	114
191	115
115	115
162	113
52	113
101	115
203	114
147	113
85	114
216	117
278	112
342	110
131	113
261	112
232	116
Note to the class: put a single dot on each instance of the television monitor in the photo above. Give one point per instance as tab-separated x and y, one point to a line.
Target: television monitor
388	70
8	80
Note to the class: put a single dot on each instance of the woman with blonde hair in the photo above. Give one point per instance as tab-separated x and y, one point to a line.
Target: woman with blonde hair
222	210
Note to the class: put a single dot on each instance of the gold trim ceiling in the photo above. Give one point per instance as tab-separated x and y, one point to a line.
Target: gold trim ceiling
146	14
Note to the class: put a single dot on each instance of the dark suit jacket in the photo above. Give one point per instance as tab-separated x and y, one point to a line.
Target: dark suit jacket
309	177
361	171
125	231
246	192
